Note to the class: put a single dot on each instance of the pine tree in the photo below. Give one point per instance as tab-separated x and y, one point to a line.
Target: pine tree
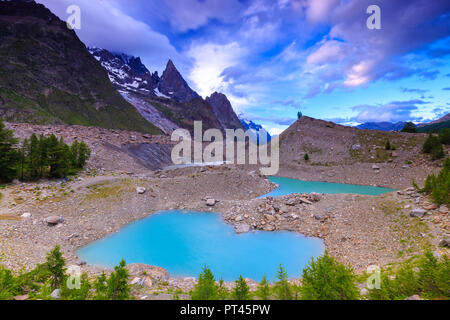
409	127
118	288
282	287
9	156
388	145
241	291
327	279
55	264
206	288
24	151
101	287
222	291
83	154
34	158
263	291
43	155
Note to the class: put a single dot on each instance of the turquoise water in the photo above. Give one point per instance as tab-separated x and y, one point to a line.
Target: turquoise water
288	186
183	242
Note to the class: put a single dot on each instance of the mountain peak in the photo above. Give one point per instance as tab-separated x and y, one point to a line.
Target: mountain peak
170	65
223	110
173	85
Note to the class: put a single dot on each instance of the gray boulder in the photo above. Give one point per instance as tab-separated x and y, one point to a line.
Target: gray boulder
445	242
242	228
418	213
53	220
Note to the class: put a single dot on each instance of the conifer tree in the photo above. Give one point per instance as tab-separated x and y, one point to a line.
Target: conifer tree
263	291
282	287
55	264
241	291
118	288
206	288
9	156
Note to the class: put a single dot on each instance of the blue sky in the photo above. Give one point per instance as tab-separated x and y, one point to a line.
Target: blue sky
275	58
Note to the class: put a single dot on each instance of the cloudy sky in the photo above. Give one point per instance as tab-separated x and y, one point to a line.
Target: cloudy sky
275	58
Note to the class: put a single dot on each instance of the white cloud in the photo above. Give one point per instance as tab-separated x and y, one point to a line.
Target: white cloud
330	51
210	60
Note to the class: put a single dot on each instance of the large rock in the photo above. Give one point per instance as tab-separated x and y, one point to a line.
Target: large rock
26	215
445	242
141	270
141	190
53	220
418	213
242	228
56	294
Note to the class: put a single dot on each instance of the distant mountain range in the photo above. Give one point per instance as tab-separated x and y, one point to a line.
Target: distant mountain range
382	126
440	123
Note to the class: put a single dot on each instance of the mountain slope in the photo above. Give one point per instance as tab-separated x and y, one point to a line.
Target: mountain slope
443	119
48	76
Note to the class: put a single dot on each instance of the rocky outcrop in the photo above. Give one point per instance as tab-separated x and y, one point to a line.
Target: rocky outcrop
141	269
174	86
223	110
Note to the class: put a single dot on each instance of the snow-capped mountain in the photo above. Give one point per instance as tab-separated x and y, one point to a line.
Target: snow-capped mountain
255	129
126	72
167	101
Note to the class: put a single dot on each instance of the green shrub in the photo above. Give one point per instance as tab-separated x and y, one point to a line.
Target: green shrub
206	288
8	285
388	145
327	279
306	157
429	279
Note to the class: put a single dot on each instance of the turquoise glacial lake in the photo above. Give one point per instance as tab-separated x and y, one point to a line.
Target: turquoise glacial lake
183	242
289	186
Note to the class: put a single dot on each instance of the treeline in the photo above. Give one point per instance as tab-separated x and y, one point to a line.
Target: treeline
327	279
41	282
41	157
433	145
438	187
323	279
